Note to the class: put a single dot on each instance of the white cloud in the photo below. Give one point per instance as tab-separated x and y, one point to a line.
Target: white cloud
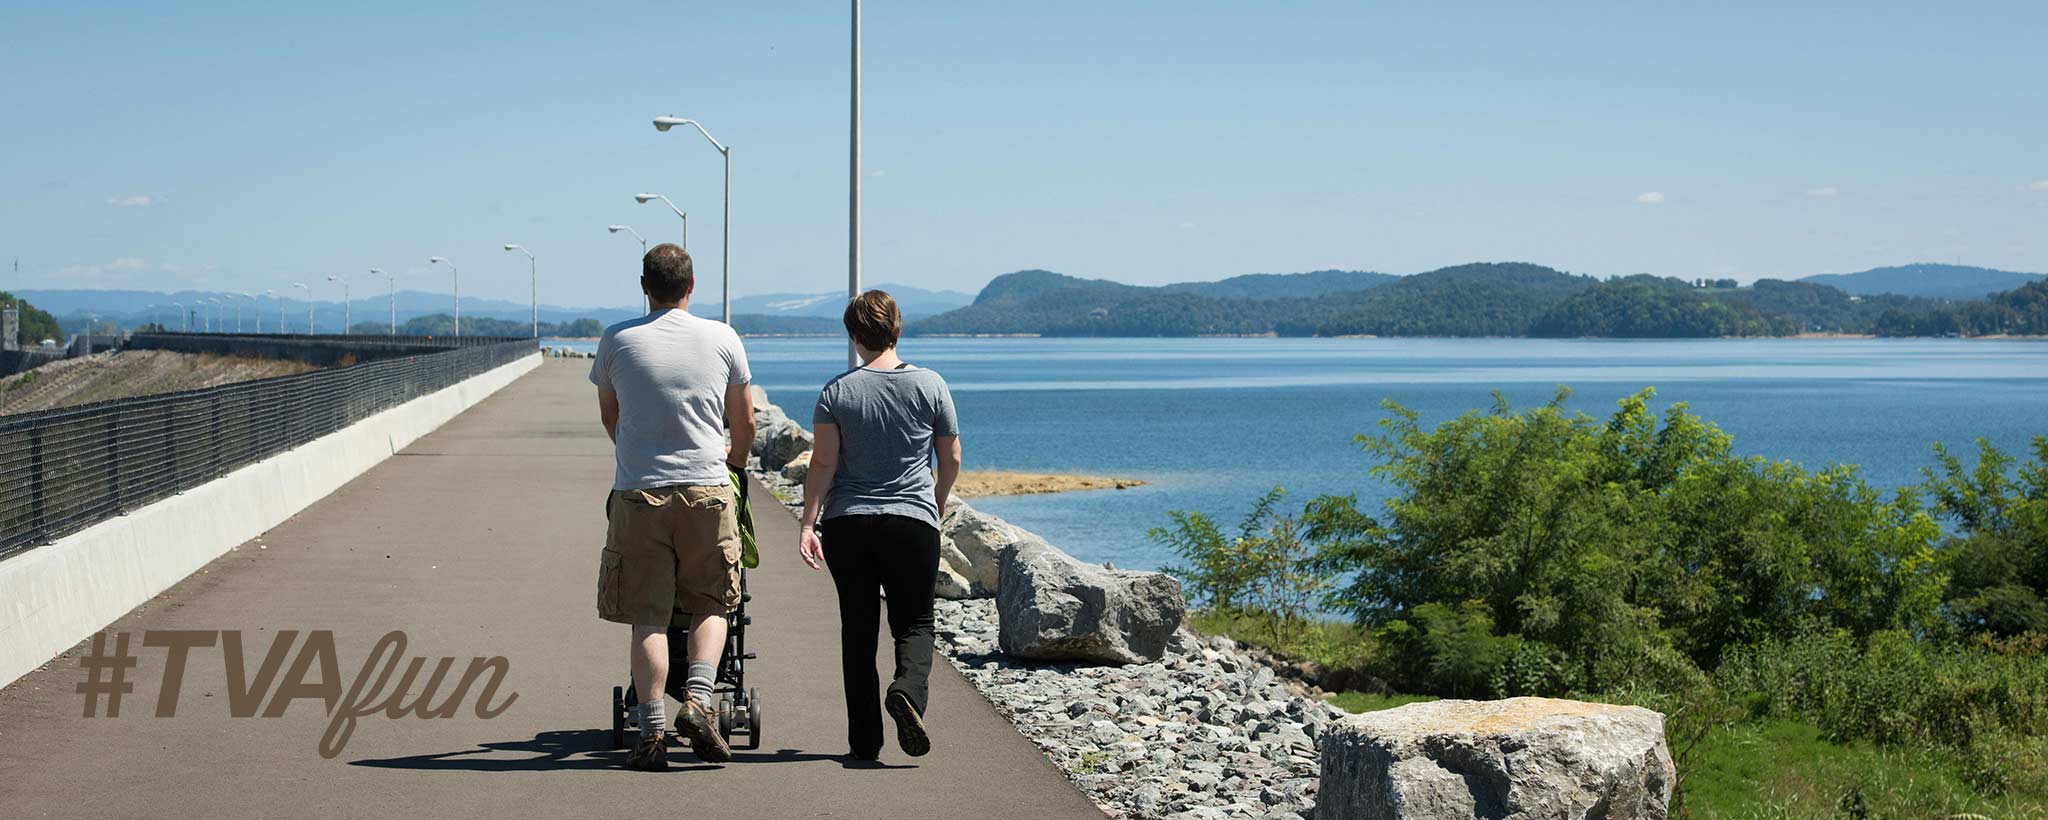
1651	198
133	201
1824	192
2039	185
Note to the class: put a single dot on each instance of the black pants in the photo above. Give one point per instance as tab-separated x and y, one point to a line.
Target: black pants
900	556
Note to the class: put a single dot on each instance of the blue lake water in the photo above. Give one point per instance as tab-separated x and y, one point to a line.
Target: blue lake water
1214	423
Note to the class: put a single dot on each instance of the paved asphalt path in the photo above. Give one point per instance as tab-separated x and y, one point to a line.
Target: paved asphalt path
482	540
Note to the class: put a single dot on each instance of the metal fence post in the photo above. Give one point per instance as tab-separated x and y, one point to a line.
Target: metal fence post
113	456
38	515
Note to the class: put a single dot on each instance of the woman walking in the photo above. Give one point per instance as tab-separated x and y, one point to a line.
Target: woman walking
872	502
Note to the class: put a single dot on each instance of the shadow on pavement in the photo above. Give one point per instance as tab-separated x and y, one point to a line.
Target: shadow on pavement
584	749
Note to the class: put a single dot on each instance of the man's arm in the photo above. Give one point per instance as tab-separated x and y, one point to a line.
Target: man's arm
608	412
948	448
817	482
739	419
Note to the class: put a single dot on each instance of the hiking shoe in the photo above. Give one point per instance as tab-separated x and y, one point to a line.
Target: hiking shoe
650	754
697	723
910	734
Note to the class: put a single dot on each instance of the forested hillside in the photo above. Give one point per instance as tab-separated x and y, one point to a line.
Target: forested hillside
1482	299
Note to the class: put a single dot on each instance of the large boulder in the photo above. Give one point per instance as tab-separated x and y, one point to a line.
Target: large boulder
971	545
1051	606
777	437
1514	759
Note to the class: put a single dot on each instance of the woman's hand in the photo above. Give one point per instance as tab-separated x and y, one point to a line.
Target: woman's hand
808	546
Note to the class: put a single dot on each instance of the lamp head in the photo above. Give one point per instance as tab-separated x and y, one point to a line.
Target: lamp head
433	259
645	198
614	228
666	123
513	248
378	271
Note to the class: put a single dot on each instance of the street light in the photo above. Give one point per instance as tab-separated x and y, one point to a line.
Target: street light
309	305
238	310
184	321
629	229
725	253
390	282
212	312
646	198
853	183
458	289
533	283
643	248
280	313
344	302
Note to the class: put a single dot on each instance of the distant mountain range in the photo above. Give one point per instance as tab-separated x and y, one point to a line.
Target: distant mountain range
915	303
1484	299
1481	299
769	313
1958	282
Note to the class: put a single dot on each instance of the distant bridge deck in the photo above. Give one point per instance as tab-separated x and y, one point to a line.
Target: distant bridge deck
481	540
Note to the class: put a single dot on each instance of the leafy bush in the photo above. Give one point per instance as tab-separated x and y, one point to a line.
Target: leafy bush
1618	544
1999	557
1261	570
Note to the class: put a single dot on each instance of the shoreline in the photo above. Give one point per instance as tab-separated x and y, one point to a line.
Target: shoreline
996	483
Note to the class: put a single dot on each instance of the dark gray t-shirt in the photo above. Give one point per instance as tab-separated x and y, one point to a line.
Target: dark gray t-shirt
887	420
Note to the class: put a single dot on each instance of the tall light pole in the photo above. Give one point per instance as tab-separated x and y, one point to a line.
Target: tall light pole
345	318
643	250
391	284
458	289
309	305
238	310
646	198
636	234
280	313
853	187
533	283
212	312
725	252
184	321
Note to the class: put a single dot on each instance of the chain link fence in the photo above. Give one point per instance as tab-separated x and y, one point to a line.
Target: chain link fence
66	469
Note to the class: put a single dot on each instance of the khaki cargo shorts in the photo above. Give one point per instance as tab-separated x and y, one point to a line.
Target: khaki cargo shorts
669	548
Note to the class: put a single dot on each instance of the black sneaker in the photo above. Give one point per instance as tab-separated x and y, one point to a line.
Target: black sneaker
910	734
697	723
650	754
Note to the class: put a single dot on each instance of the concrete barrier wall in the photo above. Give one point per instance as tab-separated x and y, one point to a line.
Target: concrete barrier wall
56	595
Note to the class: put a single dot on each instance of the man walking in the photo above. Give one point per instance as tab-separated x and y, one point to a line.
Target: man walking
669	384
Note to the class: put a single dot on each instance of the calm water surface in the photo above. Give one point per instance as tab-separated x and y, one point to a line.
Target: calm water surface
1213	423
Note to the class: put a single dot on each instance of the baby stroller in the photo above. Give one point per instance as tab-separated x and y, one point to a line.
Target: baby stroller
738	706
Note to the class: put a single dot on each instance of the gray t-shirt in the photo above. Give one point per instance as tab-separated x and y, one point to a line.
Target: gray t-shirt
670	370
887	420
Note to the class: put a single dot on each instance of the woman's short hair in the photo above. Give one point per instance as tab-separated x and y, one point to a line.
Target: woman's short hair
873	320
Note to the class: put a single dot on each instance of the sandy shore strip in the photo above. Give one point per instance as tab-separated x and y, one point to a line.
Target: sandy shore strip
984	483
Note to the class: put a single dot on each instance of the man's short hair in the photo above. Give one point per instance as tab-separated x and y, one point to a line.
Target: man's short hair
667	273
873	321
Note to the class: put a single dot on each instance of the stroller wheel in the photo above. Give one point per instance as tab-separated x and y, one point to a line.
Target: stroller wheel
725	720
753	719
618	717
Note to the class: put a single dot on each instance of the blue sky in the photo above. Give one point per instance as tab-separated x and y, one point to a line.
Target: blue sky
247	146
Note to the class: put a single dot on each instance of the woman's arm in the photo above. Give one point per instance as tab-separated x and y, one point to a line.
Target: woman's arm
817	483
948	448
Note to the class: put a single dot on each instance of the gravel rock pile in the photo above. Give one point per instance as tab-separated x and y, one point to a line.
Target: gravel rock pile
1206	732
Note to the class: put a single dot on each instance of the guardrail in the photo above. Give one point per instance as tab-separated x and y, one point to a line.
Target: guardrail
66	469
